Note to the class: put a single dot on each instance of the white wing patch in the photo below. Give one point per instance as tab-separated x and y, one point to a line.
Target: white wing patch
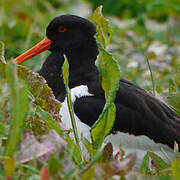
78	92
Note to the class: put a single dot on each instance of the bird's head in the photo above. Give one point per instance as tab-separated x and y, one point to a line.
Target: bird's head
69	31
63	33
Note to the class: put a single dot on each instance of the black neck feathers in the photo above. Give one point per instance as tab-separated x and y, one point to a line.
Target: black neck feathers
82	67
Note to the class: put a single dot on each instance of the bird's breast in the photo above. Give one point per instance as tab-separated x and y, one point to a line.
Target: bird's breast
76	92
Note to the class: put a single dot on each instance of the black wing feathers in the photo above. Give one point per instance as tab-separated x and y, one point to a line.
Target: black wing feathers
138	113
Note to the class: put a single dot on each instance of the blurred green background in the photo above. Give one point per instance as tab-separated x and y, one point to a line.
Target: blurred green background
142	29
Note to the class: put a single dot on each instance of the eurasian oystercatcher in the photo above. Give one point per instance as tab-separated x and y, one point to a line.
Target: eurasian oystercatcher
139	115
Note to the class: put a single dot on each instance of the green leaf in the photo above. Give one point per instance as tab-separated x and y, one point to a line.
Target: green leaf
9	166
40	91
89	174
95	160
175	167
18	107
159	162
103	29
65	71
2	129
48	119
144	168
74	151
41	96
88	146
109	73
109	76
103	125
54	165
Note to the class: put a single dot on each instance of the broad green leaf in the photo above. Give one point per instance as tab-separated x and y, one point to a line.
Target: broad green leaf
18	108
175	167
103	125
109	73
109	76
103	29
159	162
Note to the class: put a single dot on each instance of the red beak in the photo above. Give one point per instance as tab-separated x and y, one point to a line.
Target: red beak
35	50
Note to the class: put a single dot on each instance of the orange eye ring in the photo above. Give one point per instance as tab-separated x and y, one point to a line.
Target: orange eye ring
62	29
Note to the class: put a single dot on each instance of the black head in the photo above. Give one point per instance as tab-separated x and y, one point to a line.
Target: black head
68	34
69	31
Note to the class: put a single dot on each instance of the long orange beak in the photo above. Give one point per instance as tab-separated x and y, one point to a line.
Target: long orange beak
35	50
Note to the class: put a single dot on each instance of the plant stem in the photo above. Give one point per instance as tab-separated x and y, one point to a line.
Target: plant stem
69	102
98	155
152	78
71	112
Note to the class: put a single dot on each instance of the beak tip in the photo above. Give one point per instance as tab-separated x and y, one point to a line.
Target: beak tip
40	47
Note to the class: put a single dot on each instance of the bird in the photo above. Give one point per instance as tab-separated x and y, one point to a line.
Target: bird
139	115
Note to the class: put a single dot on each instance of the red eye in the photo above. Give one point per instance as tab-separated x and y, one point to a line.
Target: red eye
62	29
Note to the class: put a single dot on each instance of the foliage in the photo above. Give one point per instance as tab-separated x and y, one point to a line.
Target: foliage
39	110
109	79
159	10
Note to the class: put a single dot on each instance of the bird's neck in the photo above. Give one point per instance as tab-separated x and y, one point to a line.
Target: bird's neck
82	67
83	54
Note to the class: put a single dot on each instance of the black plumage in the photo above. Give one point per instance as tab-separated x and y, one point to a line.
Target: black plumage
138	112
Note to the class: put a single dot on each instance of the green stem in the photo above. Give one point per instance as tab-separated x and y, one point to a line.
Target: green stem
65	73
98	155
152	79
71	112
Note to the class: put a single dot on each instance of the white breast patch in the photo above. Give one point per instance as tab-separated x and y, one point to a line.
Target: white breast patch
77	92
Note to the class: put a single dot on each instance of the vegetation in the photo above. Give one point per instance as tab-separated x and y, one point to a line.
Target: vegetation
28	109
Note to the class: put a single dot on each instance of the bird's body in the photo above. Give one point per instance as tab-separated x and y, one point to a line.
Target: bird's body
138	112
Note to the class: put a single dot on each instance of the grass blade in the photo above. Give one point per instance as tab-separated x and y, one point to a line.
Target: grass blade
152	78
65	70
19	108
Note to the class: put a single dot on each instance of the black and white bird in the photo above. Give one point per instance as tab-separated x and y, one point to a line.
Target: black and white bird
140	117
